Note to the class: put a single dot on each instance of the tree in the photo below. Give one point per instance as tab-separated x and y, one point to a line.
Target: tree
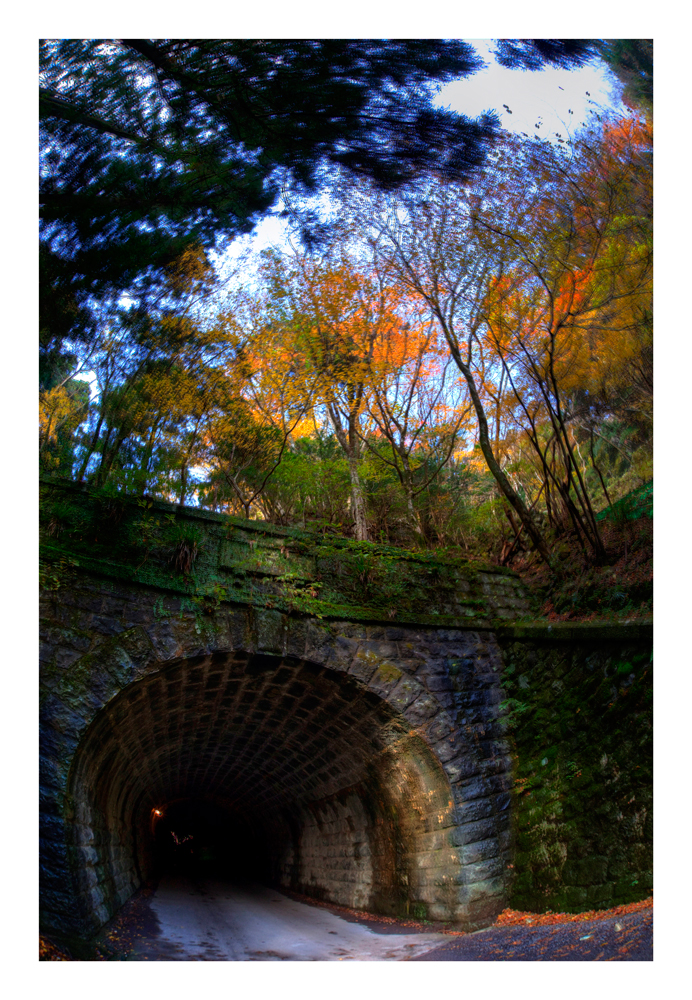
154	382
427	239
632	62
415	404
630	59
151	146
571	284
269	389
535	53
334	313
61	410
530	270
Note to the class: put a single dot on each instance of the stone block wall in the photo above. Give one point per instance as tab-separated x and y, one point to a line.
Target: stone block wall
445	767
263	565
332	856
578	706
132	678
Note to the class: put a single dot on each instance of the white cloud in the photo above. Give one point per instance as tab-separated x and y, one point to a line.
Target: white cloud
543	97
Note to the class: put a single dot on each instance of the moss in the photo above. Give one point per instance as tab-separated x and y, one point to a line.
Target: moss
387	673
219	558
582	771
577	702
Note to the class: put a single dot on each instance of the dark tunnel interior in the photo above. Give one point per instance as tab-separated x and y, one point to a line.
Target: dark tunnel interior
199	838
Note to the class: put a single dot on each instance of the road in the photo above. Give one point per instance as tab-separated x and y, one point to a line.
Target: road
190	918
627	938
206	920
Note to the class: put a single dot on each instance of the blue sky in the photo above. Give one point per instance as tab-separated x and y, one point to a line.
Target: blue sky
547	102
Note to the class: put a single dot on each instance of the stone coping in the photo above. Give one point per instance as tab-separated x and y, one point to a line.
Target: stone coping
575	631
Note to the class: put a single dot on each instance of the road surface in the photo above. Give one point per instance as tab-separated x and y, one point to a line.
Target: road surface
206	920
189	918
627	938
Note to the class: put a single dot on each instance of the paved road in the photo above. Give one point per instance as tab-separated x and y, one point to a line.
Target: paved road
195	919
205	920
627	938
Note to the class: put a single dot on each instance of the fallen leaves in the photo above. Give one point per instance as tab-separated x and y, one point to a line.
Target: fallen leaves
517	917
49	952
507	918
119	938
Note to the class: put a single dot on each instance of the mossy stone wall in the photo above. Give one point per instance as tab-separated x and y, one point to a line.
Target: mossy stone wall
212	558
578	711
127	580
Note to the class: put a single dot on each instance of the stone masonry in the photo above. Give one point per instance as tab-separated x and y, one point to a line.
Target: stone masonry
276	715
342	702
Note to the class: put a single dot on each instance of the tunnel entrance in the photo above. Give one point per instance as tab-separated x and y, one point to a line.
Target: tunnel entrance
256	767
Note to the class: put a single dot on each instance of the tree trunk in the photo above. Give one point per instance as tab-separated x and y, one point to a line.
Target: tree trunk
357	499
505	485
501	479
406	478
349	444
91	448
101	471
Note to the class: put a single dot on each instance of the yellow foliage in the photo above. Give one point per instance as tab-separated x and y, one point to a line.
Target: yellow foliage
56	408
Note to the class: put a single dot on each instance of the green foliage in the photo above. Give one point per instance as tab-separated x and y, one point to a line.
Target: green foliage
54	574
637	503
310	487
210	558
62	409
144	168
632	61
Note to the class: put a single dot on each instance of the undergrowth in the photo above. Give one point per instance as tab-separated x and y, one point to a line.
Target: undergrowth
621	588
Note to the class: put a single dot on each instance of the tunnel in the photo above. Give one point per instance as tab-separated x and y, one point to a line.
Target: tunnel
264	769
198	837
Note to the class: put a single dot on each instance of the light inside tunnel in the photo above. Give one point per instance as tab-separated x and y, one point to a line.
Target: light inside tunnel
276	769
203	838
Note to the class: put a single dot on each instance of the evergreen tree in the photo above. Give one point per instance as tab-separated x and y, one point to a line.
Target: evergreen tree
632	62
535	53
151	147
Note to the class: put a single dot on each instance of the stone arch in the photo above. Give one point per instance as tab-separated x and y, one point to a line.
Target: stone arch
442	685
345	794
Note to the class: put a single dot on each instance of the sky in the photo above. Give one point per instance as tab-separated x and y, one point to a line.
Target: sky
547	102
541	98
544	102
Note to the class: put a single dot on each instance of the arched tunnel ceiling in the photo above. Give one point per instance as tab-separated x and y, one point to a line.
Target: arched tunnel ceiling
259	732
